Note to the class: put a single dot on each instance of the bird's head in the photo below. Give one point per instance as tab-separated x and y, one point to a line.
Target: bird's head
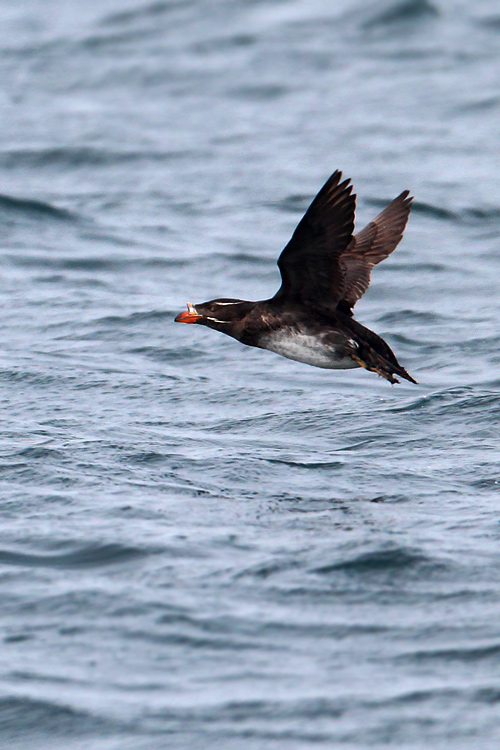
220	314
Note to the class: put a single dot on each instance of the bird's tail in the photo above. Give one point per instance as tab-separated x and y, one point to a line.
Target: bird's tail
371	360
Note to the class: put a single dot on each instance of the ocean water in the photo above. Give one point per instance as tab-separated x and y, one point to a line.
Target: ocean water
205	545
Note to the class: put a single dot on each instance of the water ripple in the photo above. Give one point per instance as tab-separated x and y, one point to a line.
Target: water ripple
393	560
404	11
29	208
21	716
92	555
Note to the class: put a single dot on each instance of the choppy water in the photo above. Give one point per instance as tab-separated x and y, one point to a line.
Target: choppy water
207	546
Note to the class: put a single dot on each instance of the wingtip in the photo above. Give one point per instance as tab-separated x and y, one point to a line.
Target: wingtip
335	179
406	198
407	376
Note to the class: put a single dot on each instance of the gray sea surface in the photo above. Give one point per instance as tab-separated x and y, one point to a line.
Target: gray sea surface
205	545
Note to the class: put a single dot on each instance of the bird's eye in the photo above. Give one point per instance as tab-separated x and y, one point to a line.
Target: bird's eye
212	308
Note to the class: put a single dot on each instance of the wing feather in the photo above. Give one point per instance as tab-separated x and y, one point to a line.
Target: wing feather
370	246
310	264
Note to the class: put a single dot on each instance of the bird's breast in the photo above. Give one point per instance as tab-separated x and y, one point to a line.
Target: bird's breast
309	348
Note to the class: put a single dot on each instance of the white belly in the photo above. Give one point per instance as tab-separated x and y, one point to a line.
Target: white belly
305	348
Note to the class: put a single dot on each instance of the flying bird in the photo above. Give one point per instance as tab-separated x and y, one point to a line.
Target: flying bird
325	269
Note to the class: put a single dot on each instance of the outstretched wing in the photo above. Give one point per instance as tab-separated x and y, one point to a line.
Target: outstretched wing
367	248
310	269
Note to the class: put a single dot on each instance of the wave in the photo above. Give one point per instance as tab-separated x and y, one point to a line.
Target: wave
92	555
412	316
22	715
292	203
306	464
262	92
467	215
163	354
30	377
418	207
492	23
435	212
404	12
31	208
481	404
82	156
91	263
391	559
488	652
474	214
134	318
151	10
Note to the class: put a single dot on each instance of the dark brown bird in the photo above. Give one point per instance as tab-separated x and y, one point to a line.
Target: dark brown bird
325	269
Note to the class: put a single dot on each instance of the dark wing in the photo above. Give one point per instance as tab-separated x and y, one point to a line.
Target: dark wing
367	248
309	264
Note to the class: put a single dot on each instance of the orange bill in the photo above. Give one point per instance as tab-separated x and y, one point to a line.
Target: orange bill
189	316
